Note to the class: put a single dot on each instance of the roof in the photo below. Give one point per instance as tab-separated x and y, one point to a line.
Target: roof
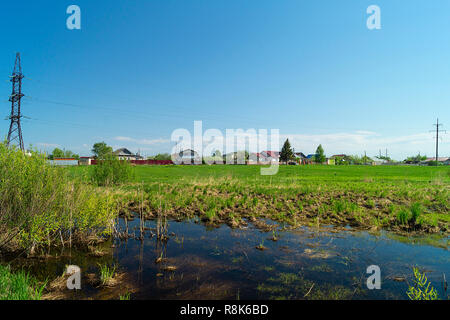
123	152
309	156
300	154
188	153
271	154
440	159
338	155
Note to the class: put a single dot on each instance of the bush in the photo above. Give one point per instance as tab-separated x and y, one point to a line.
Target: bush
40	204
111	171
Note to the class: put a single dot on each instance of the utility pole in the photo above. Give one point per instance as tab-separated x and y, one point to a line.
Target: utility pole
437	125
15	131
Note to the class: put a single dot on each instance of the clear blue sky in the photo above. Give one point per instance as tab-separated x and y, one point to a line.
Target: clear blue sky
137	70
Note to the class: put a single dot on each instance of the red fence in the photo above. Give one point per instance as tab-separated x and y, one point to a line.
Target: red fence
144	162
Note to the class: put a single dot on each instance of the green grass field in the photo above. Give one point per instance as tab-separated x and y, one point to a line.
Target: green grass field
400	198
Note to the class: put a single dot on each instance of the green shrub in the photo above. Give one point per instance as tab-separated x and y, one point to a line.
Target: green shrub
40	204
111	171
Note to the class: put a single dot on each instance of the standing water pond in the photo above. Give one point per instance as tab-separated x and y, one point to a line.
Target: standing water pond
197	262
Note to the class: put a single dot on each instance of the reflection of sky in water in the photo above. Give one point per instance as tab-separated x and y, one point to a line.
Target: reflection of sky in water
223	263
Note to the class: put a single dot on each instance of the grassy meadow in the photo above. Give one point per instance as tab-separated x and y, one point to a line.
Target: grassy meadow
399	198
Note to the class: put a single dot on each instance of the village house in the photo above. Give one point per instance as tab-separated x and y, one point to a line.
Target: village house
125	154
85	161
270	156
254	158
187	156
443	160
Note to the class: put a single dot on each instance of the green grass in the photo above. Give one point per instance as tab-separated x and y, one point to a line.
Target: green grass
18	286
106	273
125	296
391	197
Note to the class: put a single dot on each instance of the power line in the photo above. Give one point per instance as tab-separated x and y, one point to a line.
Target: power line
181	111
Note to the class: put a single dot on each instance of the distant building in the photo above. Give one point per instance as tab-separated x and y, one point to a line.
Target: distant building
187	156
125	154
64	162
440	159
256	158
85	161
270	156
302	158
338	156
300	155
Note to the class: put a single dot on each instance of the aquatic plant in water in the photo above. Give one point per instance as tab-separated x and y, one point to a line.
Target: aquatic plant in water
422	289
106	273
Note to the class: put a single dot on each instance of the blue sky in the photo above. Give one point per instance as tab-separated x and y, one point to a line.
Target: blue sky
137	70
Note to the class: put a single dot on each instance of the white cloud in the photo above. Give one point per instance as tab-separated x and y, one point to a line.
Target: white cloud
356	143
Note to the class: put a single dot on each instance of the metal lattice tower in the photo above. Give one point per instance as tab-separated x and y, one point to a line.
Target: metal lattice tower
15	131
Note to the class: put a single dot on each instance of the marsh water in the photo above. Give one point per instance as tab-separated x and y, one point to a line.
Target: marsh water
197	262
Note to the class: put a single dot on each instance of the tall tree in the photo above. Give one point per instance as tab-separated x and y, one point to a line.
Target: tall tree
58	153
286	153
101	149
320	155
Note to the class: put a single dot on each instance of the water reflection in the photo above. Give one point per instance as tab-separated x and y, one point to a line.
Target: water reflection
195	262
